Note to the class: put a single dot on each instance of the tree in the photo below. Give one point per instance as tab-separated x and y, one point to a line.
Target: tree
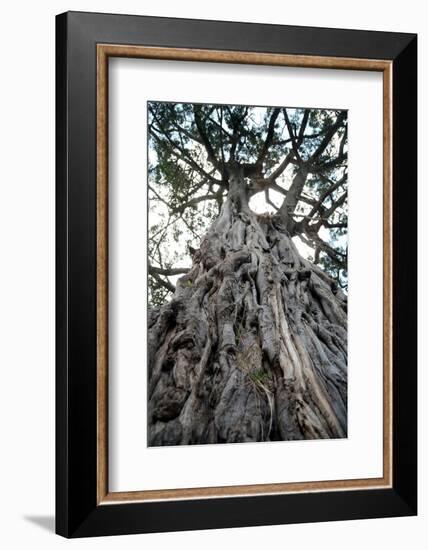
247	322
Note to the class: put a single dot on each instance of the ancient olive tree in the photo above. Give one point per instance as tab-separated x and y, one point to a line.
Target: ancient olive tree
247	321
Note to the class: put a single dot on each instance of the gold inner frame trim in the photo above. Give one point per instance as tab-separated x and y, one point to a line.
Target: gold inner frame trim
104	51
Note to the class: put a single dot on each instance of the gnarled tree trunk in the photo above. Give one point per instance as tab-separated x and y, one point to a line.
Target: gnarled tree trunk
253	344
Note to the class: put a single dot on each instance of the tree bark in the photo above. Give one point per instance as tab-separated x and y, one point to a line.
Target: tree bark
253	344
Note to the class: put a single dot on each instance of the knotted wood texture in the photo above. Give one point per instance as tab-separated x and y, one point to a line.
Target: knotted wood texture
253	344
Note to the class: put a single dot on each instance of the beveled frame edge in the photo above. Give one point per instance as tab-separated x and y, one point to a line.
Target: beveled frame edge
104	52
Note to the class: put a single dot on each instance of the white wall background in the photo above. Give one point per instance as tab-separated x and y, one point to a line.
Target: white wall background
27	272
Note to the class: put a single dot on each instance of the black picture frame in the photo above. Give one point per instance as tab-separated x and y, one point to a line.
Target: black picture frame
78	513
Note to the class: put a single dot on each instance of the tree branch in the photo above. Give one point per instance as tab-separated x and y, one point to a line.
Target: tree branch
327	213
166	284
269	136
329	134
168	271
206	142
293	194
182	155
294	142
334	185
194	202
281	167
314	239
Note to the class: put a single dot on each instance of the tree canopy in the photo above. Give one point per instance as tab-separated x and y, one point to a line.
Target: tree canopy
294	165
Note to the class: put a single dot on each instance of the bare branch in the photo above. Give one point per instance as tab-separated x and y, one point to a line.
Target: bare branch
294	141
168	271
163	282
194	202
281	167
315	241
267	198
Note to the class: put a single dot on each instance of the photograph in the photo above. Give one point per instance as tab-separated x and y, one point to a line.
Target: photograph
235	273
247	255
213	267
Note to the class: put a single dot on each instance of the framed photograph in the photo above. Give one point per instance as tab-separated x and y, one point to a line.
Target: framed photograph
236	274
